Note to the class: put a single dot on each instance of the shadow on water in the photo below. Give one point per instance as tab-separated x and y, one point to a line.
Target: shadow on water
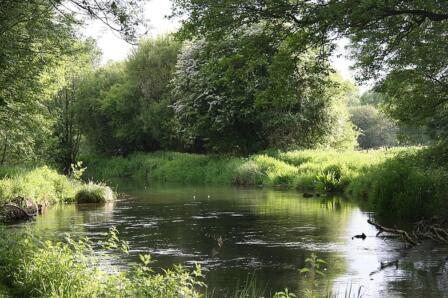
236	233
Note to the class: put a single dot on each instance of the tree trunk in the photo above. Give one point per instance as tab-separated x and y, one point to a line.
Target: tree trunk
5	146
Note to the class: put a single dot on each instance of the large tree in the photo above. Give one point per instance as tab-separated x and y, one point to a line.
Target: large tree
36	37
401	44
250	91
35	33
124	107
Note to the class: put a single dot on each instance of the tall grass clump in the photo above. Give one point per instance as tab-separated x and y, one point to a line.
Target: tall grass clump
409	186
40	185
34	268
94	193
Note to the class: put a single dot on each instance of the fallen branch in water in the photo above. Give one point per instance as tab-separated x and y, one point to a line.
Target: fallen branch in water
432	229
384	265
405	235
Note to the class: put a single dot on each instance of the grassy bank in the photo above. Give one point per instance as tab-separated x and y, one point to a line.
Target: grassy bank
43	185
403	182
324	170
412	185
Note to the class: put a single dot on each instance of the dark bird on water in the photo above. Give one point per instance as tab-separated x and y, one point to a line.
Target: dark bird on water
362	236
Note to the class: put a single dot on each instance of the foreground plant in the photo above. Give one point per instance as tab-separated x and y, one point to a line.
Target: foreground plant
36	268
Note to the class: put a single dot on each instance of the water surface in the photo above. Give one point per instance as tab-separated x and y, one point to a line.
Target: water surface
264	235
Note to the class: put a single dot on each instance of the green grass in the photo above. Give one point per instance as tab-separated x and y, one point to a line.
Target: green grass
411	185
43	185
169	167
40	185
325	170
94	193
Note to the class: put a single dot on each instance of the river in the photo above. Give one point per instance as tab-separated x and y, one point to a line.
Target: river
261	235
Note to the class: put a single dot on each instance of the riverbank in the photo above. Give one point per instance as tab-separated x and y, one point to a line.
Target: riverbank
411	185
41	185
324	170
400	182
26	188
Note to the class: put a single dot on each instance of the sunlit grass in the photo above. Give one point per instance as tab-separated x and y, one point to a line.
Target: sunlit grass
41	185
405	182
94	193
323	170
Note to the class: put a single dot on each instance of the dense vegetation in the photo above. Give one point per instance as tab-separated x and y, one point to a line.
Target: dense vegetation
35	268
45	186
305	169
244	93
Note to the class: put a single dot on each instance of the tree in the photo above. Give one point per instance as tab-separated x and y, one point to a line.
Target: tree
34	36
372	98
35	33
124	107
401	44
249	91
376	129
66	129
151	67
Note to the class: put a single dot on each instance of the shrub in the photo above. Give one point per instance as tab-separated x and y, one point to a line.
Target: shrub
248	173
94	193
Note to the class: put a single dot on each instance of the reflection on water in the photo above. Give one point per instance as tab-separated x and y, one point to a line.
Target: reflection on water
235	233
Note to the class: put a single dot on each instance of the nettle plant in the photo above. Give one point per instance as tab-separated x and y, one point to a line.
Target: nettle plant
313	270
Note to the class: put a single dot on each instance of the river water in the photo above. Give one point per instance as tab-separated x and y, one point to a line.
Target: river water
260	235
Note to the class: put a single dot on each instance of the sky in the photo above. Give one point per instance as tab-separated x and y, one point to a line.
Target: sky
156	11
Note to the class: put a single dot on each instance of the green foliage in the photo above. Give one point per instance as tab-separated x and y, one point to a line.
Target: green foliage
313	270
376	129
325	170
400	44
41	185
165	167
94	193
66	131
36	268
37	38
77	169
124	107
254	80
411	185
372	98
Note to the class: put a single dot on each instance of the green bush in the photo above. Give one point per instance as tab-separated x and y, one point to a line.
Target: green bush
94	193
